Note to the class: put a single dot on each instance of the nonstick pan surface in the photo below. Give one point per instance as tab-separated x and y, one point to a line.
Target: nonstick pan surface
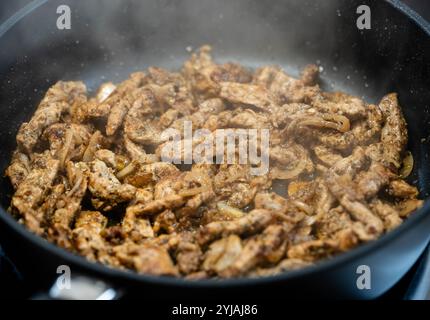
108	41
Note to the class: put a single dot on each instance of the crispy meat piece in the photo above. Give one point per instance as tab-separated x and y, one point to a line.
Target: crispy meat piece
371	181
70	203
49	205
268	247
247	95
205	77
142	174
287	89
31	193
236	186
87	234
165	222
197	71
146	258
107	157
106	189
253	222
137	153
332	221
285	209
231	72
222	254
387	213
340	103
250	119
394	135
116	116
18	169
339	180
168	117
389	150
401	189
188	257
138	126
109	95
57	100
171	88
313	250
199	118
408	206
137	227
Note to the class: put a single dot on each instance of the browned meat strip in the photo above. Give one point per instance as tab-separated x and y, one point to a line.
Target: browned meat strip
57	100
31	193
268	247
401	189
70	202
222	254
18	169
137	227
147	259
106	189
313	250
116	116
188	257
394	134
247	94
285	88
137	126
253	222
86	234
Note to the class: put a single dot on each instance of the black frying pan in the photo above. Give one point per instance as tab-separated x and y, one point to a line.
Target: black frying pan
109	41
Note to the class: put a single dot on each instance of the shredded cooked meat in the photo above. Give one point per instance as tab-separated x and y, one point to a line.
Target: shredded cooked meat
89	173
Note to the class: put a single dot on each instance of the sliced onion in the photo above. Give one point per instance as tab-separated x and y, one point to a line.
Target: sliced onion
289	174
68	145
75	188
340	123
405	208
408	165
343	124
92	146
304	207
104	92
224	208
309	220
192	192
127	170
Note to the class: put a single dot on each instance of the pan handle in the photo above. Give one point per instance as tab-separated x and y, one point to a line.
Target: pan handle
80	288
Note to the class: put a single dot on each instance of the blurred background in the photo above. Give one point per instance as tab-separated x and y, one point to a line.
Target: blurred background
421	6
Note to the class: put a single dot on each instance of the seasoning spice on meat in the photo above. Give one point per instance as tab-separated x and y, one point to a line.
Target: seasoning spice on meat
88	173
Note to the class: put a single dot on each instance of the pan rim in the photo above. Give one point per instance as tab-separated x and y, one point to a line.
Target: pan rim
110	273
